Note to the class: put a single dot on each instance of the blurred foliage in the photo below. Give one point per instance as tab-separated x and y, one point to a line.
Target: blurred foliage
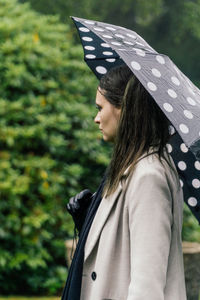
191	228
65	9
49	146
169	26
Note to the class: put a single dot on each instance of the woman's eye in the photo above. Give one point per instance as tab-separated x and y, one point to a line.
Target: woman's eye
98	107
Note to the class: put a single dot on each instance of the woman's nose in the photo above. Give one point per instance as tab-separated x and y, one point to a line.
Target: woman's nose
97	118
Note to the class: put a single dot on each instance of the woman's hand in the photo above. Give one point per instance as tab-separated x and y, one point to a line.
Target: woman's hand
78	206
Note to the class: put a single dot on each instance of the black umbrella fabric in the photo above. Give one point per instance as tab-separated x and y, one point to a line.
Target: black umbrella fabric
107	46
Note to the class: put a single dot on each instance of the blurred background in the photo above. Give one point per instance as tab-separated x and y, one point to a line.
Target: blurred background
50	148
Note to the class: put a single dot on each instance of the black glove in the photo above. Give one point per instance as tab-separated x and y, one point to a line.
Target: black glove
78	207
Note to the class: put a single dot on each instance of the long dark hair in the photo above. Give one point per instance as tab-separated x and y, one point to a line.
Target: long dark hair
142	124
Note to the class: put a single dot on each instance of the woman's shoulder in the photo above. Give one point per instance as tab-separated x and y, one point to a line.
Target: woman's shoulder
151	162
151	165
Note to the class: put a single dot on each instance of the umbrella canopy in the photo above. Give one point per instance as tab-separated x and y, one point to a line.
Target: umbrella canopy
107	46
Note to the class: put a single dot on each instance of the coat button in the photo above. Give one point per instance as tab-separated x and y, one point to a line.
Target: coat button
94	275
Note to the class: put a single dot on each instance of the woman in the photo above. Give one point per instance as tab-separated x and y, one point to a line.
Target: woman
132	248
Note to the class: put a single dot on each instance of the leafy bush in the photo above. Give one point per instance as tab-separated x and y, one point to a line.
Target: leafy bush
191	228
49	147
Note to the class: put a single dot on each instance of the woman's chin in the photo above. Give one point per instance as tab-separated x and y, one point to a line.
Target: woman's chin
108	139
105	138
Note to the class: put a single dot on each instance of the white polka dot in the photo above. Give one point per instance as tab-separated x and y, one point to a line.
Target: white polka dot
191	101
119	35
131	36
188	114
152	86
139	52
181	183
87	39
184	128
99	29
172	93
107	53
115	43
84	29
156	72
89	48
192	201
169	148
90	56
182	165
89	22
160	59
135	65
105	45
111	60
196	183
197	165
168	107
110	28
184	148
107	36
101	70
175	80
171	130
128	43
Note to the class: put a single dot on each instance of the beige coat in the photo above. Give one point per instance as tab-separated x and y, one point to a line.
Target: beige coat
133	250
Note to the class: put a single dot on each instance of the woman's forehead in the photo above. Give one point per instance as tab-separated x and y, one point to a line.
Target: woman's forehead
100	98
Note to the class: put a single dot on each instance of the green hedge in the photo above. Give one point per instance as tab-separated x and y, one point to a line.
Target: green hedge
49	147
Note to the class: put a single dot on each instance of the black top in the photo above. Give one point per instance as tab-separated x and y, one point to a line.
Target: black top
72	290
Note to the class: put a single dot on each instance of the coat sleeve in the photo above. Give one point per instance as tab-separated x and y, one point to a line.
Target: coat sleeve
150	221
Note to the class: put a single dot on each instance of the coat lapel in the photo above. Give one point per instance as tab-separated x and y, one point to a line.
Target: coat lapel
104	211
100	219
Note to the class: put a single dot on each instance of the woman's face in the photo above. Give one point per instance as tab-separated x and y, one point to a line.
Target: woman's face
107	117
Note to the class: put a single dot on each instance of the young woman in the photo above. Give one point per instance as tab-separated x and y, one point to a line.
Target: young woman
130	244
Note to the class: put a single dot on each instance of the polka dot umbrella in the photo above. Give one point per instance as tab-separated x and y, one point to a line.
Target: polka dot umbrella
106	46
